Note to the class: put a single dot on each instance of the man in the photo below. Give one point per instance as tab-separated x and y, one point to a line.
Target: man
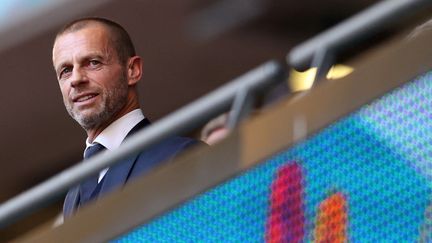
98	70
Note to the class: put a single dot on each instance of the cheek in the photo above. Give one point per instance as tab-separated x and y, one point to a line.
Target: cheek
100	79
64	91
109	81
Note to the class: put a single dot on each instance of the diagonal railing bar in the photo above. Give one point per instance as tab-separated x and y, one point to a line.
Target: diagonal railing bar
354	29
181	121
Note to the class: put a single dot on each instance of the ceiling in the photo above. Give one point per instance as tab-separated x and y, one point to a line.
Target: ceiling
189	47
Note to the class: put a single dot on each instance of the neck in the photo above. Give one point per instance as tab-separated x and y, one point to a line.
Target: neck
94	132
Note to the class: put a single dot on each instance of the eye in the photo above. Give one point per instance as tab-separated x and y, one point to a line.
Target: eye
94	62
65	71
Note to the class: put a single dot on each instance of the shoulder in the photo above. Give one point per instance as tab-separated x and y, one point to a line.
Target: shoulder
161	152
179	142
173	145
168	148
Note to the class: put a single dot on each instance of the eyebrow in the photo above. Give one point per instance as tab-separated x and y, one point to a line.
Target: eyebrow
88	56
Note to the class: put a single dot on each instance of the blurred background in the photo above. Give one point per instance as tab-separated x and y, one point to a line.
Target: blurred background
189	48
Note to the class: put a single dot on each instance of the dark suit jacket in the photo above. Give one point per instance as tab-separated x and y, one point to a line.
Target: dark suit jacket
122	172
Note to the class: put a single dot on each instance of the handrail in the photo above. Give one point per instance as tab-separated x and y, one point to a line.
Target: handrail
208	106
271	132
178	122
353	29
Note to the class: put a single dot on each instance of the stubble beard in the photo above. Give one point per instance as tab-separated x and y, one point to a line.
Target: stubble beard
113	101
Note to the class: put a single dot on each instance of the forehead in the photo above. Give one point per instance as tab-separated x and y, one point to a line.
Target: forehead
93	38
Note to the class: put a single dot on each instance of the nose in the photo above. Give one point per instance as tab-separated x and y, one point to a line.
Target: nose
78	78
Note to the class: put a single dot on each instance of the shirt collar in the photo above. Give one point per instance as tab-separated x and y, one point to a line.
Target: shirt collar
112	136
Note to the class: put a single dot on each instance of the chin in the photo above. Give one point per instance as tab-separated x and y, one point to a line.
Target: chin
86	120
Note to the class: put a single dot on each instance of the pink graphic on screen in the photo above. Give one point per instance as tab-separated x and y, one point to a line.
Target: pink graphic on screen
286	220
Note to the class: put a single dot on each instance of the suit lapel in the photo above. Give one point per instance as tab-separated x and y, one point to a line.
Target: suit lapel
87	188
118	174
71	202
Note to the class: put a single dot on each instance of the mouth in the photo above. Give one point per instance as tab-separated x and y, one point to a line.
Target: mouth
84	97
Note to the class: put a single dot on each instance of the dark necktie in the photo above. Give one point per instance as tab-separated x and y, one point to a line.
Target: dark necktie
89	185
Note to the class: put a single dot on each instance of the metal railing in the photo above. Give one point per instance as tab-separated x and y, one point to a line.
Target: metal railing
181	121
212	104
320	50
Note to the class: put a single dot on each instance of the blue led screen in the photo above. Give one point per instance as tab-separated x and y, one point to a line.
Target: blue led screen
365	178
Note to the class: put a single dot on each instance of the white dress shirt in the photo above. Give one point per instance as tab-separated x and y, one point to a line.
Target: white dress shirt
112	136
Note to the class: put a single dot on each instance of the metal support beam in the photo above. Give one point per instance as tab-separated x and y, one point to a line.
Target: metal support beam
242	106
323	61
356	28
181	121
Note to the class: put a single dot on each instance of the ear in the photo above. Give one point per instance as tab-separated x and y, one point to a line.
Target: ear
134	70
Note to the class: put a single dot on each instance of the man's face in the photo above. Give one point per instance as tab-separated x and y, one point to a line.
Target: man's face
92	80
